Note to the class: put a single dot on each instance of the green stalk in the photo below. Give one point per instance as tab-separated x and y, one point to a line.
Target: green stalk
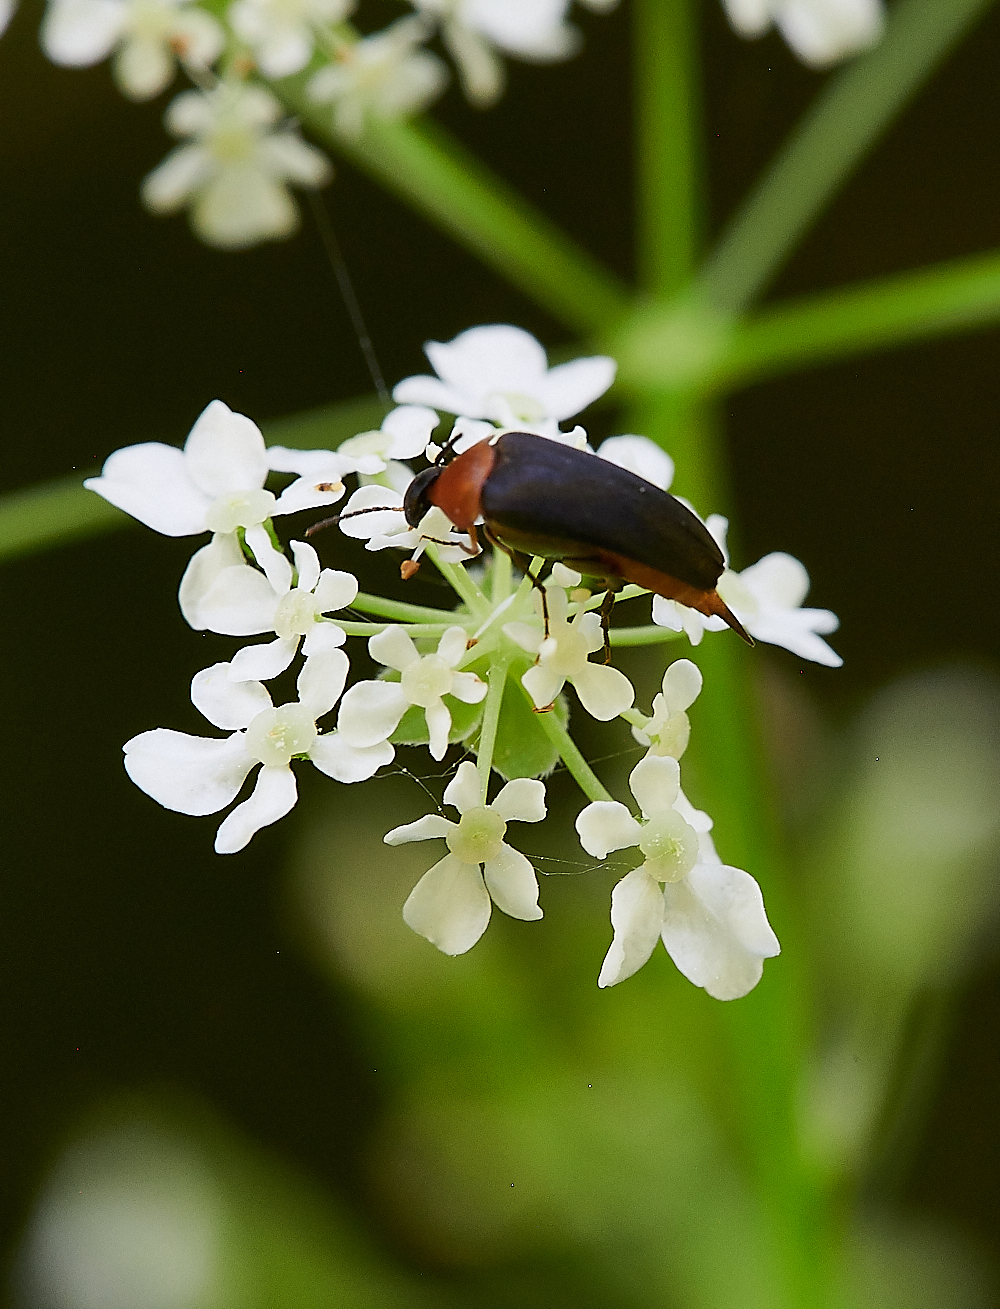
491	721
411	629
462	583
846	120
405	613
647	635
587	780
436	176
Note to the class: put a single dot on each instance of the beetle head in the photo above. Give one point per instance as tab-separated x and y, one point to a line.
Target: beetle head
416	501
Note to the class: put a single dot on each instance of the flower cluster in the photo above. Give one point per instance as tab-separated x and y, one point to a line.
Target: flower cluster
489	675
240	154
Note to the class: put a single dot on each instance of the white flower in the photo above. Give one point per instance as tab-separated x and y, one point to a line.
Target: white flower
235	173
7	10
215	484
149	36
385	75
282	33
819	31
237	600
534	30
710	917
201	775
404	434
641	456
370	711
452	902
382	524
319	474
501	373
669	729
562	656
767	599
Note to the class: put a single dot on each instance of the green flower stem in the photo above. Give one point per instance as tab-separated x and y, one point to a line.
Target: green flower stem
462	583
669	163
648	635
587	780
845	121
949	297
440	179
491	721
500	577
411	629
404	613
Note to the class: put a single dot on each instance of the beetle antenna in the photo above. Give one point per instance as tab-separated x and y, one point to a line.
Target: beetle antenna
353	513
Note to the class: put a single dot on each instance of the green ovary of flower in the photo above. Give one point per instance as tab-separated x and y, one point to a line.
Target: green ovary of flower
566	653
295	614
232	145
478	836
424	683
670	846
525	408
151	22
276	735
239	509
673	736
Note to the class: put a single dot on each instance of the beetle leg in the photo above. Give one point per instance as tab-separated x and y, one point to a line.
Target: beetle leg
607	604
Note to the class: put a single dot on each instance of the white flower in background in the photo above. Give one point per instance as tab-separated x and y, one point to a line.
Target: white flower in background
370	711
405	434
669	729
767	599
7	10
452	902
319	475
215	484
562	655
237	600
501	373
148	37
819	31
472	31
641	456
387	75
201	775
381	523
282	33
710	917
235	173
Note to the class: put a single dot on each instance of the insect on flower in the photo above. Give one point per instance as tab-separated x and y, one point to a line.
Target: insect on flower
533	496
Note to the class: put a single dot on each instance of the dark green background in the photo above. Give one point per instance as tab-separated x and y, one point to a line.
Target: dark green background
132	956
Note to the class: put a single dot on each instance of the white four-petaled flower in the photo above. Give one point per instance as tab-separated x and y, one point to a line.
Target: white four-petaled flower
501	373
710	917
386	75
370	711
374	514
452	902
668	731
282	33
148	37
563	655
819	31
236	171
201	775
472	31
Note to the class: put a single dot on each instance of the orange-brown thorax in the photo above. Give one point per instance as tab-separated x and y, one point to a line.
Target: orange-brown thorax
458	491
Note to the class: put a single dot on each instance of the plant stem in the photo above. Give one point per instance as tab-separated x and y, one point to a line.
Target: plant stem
648	635
587	780
491	721
405	613
845	121
500	580
411	629
462	583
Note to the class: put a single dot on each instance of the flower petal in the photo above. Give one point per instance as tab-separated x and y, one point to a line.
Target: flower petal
189	774
525	635
468	688
321	681
438	718
303	494
604	691
777	579
273	796
348	763
225	702
323	637
77	33
225	452
183	172
641	456
366	503
424	829
410	427
568	388
655	782
394	648
512	884
205	565
260	663
682	683
238	602
334	590
450	906
521	800
452	645
606	825
306	565
370	712
716	931
275	564
152	483
636	916
463	791
542	684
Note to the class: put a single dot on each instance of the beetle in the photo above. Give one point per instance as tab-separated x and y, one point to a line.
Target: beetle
536	496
